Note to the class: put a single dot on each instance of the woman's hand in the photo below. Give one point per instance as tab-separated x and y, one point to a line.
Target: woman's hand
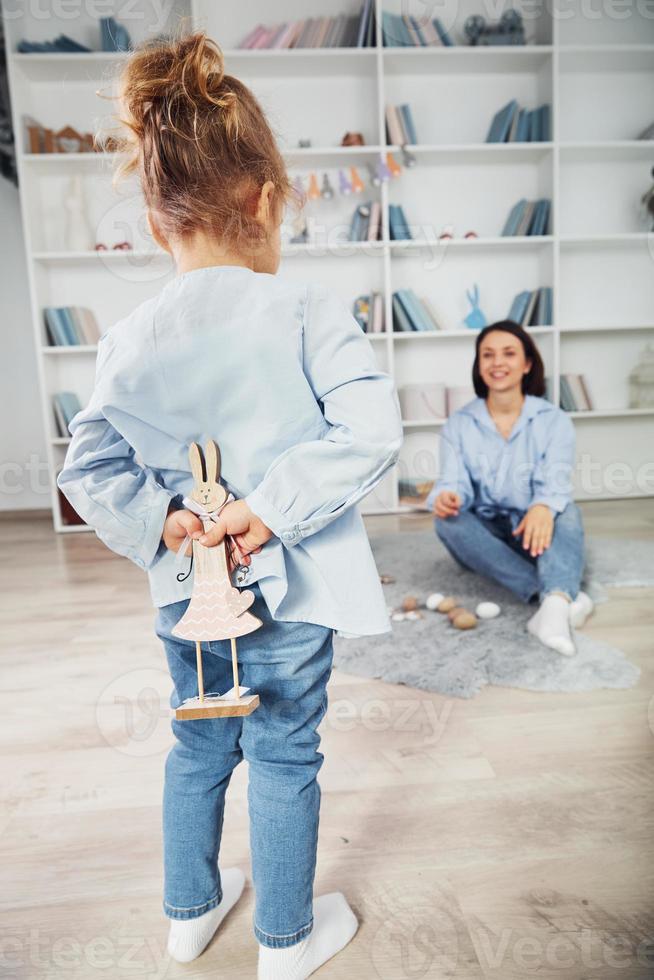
248	531
447	504
536	528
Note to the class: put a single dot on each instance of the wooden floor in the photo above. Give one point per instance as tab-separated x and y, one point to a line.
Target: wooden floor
510	836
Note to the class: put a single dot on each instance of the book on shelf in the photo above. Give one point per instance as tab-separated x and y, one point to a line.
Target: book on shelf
532	308
528	218
368	311
342	31
400	127
574	393
66	405
404	31
513	124
70	326
398	226
410	313
365	225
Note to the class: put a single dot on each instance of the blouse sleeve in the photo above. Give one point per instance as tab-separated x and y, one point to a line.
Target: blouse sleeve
311	484
454	473
552	478
116	496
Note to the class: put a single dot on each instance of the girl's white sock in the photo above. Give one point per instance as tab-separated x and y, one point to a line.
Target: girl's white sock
551	624
580	610
334	925
189	937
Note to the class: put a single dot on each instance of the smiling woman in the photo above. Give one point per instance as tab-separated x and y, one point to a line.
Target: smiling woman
503	504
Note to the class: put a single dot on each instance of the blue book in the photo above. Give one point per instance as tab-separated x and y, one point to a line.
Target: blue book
545	123
501	124
398	226
70	326
401	322
519	306
355	225
64	326
534	126
363	24
415	310
522	132
515	216
545	307
415	24
407	121
54	327
442	33
540	219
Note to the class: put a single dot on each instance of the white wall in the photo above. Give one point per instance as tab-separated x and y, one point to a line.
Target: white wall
23	481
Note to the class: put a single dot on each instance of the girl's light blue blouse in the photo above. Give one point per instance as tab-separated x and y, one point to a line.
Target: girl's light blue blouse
284	380
495	475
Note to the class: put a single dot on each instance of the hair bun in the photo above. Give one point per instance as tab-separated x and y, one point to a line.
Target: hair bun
177	82
198	140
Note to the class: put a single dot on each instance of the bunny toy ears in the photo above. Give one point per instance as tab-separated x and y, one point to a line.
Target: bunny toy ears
205	468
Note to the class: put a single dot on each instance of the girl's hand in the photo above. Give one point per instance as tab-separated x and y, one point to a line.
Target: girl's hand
447	504
247	530
178	524
537	528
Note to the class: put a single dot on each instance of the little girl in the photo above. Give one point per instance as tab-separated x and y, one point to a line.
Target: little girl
283	379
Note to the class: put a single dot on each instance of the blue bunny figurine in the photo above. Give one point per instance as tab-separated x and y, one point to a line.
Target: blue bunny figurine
475	320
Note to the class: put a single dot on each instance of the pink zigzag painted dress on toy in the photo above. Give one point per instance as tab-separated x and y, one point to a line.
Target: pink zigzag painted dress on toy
217	610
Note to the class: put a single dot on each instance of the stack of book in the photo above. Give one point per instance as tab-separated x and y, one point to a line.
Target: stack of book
400	128
532	308
515	125
316	32
66	405
574	395
412	313
368	311
70	326
398	226
366	222
528	218
413	32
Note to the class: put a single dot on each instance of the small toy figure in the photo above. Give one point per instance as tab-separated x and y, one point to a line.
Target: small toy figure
475	320
217	610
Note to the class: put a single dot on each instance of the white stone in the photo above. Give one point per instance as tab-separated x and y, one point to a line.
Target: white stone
488	610
398	617
434	600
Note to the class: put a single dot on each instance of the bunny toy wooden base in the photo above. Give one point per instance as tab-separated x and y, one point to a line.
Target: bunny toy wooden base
217	610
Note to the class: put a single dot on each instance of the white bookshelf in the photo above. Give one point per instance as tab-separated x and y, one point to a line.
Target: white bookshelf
596	73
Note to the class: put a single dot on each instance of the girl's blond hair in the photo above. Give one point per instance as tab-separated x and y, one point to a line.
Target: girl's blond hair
199	142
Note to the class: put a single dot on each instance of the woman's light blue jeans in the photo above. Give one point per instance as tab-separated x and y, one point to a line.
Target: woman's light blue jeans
487	546
288	666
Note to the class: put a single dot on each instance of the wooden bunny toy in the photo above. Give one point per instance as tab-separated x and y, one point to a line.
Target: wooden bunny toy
217	610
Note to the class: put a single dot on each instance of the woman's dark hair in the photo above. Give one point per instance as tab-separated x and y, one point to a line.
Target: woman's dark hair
533	383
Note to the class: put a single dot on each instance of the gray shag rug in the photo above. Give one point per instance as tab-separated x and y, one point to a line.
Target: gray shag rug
432	655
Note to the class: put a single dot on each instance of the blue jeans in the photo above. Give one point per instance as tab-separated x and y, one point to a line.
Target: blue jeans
288	666
487	546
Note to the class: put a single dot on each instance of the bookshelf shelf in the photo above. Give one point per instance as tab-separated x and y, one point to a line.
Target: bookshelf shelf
624	413
595	258
75	349
467	60
477	153
472	244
